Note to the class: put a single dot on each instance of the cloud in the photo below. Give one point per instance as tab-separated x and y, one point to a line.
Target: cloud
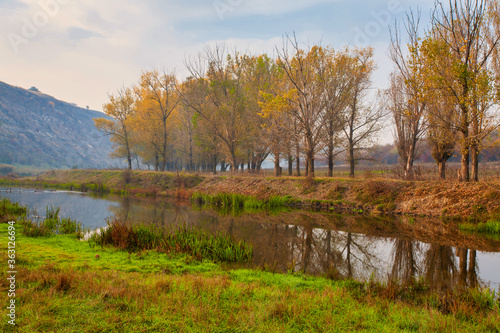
88	48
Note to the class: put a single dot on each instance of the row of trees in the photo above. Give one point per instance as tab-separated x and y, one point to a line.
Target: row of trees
235	110
445	85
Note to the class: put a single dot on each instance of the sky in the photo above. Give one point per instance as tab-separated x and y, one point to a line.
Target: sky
80	51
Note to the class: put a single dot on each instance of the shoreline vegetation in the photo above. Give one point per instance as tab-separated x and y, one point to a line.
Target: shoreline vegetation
109	284
463	202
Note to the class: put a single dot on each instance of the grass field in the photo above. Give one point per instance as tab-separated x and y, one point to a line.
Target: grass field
67	285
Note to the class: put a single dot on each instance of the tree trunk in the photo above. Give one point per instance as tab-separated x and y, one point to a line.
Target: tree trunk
129	160
214	164
297	158
330	159
297	164
409	163
474	158
464	170
465	149
290	165
277	169
234	164
330	148
330	166
442	169
310	164
352	162
190	154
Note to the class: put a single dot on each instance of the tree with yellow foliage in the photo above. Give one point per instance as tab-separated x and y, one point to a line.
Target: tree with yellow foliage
158	101
121	108
305	70
464	38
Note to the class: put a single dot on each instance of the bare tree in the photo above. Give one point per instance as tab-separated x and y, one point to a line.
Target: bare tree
340	81
406	98
361	122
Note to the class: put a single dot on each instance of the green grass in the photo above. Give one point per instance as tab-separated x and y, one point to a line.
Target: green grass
490	228
51	226
196	242
65	285
238	203
72	186
9	211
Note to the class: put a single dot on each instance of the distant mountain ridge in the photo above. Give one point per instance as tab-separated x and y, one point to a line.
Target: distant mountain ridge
39	130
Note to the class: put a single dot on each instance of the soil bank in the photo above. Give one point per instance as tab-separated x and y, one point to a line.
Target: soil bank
477	201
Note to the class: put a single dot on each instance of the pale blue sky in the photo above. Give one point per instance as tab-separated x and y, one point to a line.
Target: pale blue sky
78	51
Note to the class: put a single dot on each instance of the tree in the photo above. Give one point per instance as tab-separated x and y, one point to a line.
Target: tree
275	97
261	78
223	109
360	122
305	71
463	35
441	133
406	94
121	107
338	89
158	100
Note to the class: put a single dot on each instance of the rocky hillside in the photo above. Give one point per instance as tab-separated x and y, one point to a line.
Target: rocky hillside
39	130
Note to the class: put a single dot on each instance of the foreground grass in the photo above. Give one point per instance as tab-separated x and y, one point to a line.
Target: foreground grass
65	285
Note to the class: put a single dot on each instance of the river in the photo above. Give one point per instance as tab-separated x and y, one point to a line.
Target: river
338	246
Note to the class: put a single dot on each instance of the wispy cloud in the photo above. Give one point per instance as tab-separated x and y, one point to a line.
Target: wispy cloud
88	48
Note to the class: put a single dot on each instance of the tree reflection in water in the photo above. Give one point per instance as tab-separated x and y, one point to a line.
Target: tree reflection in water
296	242
439	267
404	267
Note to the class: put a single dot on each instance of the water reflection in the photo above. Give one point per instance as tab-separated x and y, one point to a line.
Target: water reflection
92	212
340	246
320	244
404	254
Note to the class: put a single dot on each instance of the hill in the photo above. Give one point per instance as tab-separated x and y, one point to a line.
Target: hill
39	130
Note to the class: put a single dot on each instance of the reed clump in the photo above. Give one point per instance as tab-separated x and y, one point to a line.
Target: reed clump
240	202
491	227
52	224
9	210
194	241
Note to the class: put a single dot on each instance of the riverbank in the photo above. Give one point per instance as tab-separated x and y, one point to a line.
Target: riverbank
65	285
471	201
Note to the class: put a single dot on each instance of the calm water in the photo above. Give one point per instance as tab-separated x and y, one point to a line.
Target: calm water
343	246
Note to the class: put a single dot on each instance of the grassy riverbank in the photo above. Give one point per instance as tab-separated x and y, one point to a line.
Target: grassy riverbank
66	285
473	202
